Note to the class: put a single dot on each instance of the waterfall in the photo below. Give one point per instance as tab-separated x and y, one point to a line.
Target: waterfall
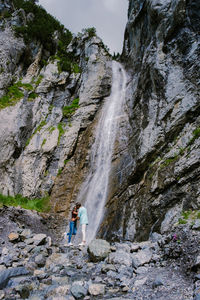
93	193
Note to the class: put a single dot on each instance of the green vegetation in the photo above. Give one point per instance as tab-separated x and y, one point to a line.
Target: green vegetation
168	161
42	27
66	161
14	93
32	96
189	216
196	135
61	131
43	142
91	31
43	123
45	32
51	129
59	172
68	111
181	221
39	204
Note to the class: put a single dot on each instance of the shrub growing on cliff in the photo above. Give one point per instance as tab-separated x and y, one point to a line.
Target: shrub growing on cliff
42	27
68	111
39	204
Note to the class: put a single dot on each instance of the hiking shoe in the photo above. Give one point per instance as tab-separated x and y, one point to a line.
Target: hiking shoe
82	244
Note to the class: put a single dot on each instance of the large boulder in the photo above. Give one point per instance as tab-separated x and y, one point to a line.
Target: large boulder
98	250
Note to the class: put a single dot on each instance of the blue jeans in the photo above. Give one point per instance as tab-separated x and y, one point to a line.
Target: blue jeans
72	230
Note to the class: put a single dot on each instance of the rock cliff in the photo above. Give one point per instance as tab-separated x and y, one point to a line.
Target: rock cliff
156	175
48	116
48	110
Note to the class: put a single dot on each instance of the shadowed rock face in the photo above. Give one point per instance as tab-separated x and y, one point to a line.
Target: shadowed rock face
156	168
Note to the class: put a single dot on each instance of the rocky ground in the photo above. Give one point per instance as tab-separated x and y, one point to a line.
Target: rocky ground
34	266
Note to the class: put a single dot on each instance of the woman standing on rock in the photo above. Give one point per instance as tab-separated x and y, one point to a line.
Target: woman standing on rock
72	225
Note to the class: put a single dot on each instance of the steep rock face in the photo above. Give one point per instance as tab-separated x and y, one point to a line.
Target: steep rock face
39	133
157	175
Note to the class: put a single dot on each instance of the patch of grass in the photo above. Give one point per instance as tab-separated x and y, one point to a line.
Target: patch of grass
59	172
51	129
43	123
68	111
38	80
182	221
44	141
32	96
168	161
76	69
38	204
50	108
14	93
61	131
66	161
196	135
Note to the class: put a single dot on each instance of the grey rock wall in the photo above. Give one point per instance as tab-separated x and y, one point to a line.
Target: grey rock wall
36	138
157	174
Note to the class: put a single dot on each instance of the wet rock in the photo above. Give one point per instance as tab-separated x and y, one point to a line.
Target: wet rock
96	289
141	258
98	250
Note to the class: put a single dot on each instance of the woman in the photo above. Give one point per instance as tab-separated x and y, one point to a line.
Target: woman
72	225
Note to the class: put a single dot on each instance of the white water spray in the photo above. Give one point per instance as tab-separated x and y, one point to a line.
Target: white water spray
93	193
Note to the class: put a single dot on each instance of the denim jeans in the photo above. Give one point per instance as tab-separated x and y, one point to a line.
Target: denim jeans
72	230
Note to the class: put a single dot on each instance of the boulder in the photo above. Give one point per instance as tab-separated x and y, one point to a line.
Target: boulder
98	250
78	291
141	258
97	289
120	257
39	239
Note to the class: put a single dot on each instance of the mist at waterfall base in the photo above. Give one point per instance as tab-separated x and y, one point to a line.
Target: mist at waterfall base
94	191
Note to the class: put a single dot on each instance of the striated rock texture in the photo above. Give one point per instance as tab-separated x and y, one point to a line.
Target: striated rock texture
156	170
43	126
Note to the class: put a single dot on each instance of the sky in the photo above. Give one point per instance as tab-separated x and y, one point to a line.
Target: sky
109	17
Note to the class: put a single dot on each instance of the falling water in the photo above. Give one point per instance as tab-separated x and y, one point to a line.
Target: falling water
95	188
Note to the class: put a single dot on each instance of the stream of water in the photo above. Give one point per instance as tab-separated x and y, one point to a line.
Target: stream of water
94	191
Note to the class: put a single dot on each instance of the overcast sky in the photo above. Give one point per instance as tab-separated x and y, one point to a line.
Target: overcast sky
109	17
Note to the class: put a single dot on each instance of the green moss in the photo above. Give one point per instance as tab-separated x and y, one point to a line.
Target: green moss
181	221
59	171
196	135
38	80
76	69
50	108
168	161
43	142
61	131
14	93
51	129
38	204
68	111
66	161
32	96
42	124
